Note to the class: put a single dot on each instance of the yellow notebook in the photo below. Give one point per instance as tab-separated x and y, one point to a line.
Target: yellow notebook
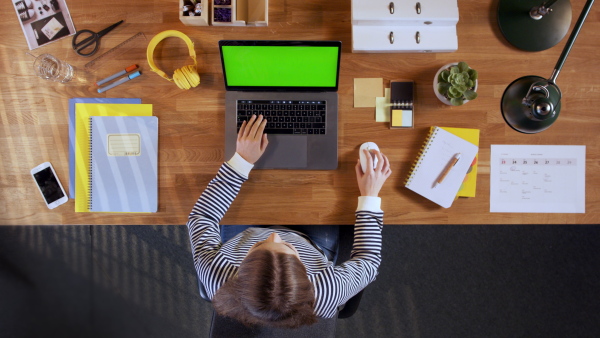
83	112
469	185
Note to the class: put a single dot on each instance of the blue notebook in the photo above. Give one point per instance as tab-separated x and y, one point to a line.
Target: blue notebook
123	164
72	103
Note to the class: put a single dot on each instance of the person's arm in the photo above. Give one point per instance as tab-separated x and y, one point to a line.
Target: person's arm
203	221
361	269
211	206
369	216
352	276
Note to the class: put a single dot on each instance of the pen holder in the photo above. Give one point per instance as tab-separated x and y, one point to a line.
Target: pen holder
189	18
240	12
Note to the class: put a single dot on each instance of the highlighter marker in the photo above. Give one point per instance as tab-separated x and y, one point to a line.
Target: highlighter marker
120	81
116	75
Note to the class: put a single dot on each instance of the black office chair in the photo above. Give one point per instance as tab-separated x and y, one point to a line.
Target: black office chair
325	327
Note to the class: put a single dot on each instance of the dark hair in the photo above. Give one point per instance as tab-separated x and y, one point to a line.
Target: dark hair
271	289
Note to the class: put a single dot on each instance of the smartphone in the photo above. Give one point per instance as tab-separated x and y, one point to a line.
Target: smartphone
49	185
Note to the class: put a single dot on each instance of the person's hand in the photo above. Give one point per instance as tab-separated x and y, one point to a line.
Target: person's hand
251	140
371	181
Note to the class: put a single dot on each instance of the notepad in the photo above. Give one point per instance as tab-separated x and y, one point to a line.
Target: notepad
124	164
402	104
438	150
83	111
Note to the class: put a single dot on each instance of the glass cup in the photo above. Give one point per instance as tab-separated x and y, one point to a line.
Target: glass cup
51	68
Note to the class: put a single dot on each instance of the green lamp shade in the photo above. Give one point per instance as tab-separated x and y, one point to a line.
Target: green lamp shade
527	33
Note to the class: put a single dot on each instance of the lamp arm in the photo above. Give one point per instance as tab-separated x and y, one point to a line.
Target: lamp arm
563	56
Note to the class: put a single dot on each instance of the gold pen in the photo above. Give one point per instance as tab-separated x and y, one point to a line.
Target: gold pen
449	167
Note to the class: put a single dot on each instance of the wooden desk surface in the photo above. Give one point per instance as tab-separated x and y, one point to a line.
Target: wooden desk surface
34	115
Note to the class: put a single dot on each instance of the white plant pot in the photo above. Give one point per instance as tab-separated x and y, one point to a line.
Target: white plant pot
435	84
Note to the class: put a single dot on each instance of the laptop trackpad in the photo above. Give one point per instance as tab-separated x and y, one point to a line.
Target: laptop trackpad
284	151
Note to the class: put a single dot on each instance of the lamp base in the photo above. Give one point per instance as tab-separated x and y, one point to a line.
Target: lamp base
520	117
529	34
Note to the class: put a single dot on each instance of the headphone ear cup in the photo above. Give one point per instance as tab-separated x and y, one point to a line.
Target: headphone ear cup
186	77
180	80
191	74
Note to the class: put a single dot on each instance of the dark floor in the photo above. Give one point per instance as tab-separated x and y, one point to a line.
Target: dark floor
435	281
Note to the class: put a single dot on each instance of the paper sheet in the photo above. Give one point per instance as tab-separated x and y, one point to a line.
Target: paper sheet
537	179
366	90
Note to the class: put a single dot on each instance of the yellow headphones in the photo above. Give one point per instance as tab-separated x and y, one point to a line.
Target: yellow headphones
185	77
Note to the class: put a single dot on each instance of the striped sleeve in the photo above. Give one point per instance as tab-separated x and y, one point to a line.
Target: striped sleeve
203	226
337	285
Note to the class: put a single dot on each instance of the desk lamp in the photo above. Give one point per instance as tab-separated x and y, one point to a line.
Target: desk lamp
534	25
531	104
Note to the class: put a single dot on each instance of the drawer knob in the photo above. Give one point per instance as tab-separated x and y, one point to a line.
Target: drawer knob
418	37
418	8
391	8
391	37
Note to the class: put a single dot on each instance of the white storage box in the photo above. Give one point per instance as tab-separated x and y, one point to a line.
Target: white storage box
407	39
405	12
408	26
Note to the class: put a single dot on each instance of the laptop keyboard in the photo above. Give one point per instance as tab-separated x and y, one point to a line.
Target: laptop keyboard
285	117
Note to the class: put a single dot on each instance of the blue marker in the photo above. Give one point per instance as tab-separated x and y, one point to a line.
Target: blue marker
116	75
120	81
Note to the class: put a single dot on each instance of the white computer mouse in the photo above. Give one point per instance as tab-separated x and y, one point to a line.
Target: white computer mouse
363	157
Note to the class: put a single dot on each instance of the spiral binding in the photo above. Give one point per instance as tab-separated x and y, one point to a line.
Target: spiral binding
413	169
90	170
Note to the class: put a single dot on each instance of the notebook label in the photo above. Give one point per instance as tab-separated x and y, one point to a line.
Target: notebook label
124	145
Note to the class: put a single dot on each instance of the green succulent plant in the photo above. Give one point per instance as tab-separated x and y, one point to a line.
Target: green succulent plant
457	83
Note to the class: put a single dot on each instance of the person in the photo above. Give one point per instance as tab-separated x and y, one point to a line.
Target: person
278	276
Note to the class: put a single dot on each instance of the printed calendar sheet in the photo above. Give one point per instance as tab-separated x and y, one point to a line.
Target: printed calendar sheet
537	179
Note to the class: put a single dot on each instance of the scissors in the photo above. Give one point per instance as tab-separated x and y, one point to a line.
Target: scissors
92	39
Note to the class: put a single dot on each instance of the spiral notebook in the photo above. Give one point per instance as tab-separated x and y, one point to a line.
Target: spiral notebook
123	164
72	103
83	112
436	154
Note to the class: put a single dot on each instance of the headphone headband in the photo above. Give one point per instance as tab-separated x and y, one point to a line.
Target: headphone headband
185	77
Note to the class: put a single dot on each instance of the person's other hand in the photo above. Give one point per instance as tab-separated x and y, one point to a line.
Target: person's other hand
251	140
371	181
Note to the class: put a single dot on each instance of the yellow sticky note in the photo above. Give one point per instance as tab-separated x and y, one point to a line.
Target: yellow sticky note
382	107
396	118
366	90
401	118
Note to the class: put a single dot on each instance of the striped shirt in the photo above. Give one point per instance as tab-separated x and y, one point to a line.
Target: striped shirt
216	262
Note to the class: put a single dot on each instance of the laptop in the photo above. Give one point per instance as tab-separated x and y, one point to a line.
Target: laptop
293	84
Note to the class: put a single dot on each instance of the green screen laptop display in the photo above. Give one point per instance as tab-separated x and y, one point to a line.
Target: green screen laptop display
273	65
